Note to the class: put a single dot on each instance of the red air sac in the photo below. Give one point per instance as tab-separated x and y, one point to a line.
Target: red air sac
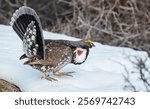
79	52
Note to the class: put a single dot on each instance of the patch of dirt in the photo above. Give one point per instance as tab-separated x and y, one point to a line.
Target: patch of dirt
6	86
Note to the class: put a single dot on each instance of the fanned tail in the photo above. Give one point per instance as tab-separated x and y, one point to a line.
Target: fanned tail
27	25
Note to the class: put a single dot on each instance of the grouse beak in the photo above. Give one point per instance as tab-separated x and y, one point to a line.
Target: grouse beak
92	45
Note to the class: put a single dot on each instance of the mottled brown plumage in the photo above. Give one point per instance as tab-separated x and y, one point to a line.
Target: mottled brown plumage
46	55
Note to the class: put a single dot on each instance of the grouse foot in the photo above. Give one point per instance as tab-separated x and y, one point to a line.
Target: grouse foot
47	77
63	73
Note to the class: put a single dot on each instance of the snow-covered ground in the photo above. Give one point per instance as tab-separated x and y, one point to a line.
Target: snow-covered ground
102	71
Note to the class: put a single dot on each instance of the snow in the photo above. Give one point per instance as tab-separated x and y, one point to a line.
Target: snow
102	70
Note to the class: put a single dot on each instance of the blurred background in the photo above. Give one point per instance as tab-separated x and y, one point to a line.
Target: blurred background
124	23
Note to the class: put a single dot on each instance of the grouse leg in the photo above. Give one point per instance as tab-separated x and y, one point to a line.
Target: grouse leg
63	74
43	75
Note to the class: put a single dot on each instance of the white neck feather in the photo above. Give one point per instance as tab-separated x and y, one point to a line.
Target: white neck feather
80	55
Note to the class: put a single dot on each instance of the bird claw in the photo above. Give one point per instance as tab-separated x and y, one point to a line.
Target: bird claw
63	73
47	77
50	78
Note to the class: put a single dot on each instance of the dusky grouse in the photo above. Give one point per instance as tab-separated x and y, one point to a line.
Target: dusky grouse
46	55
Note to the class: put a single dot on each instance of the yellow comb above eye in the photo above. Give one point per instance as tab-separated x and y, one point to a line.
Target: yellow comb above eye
89	41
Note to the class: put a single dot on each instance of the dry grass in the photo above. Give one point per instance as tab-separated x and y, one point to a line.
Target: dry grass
141	71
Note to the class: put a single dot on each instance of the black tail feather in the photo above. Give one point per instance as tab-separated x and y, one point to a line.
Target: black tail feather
20	22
